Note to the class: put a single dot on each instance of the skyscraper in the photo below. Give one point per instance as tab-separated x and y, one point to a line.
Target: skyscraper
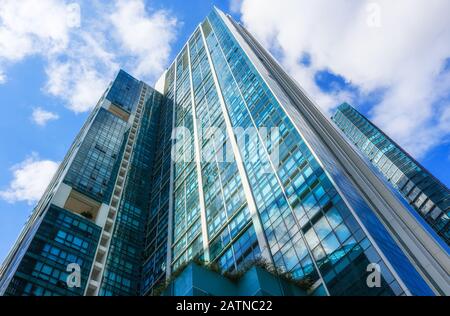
226	161
426	194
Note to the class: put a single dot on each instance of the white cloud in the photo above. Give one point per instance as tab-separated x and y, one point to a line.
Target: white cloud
2	77
30	179
82	74
145	36
30	27
404	56
41	117
82	57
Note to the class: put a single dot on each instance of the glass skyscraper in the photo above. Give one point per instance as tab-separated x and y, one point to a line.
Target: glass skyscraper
226	161
426	194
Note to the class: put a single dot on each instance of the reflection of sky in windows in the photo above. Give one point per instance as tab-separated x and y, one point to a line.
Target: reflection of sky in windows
92	169
306	191
62	238
124	91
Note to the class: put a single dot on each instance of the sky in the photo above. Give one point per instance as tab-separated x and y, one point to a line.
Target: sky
389	59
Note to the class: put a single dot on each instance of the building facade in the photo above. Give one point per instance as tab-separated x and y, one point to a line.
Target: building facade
426	194
226	161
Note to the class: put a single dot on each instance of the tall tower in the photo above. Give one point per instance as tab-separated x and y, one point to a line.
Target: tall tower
94	211
426	194
227	161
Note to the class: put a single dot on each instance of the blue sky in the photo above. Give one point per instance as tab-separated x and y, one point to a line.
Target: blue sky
53	67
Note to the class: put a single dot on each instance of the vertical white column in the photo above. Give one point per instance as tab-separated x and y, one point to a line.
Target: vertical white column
262	241
171	186
198	157
99	263
275	174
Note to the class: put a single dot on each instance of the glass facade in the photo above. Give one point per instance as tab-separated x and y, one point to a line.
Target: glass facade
156	234
309	229
93	170
62	238
427	195
125	91
226	212
212	167
122	274
187	238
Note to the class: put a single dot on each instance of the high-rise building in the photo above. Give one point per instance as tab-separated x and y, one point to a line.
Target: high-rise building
426	194
226	161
